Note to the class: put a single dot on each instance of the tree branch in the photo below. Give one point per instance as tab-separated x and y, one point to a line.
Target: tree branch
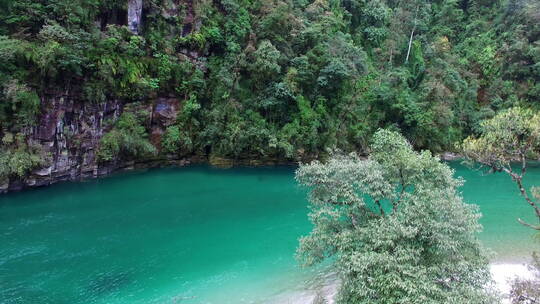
380	207
528	225
403	187
519	181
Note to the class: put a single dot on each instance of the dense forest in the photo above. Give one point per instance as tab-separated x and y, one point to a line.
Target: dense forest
282	79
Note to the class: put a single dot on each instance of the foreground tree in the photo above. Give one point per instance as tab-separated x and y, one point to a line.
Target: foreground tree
395	227
512	136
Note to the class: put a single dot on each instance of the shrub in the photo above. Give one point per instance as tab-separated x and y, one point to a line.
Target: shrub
128	138
17	161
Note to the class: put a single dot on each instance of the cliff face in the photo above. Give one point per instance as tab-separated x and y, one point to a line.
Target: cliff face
134	15
69	133
69	129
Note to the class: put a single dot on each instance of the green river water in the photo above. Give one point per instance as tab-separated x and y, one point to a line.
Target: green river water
190	236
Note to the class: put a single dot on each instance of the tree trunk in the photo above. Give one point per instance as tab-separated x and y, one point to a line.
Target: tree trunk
410	44
412	35
518	179
134	15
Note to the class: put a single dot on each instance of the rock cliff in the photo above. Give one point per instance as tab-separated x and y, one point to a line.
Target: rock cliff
134	15
69	133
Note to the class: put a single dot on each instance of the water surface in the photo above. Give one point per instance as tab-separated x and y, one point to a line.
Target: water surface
190	235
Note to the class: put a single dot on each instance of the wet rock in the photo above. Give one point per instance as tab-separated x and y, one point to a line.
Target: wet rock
43	172
155	137
16	185
4	185
221	162
69	132
165	111
134	15
47	124
450	156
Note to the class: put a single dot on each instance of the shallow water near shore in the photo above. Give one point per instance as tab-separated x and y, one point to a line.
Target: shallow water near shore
193	235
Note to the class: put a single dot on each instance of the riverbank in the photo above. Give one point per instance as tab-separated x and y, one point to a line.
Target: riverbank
61	172
504	274
48	176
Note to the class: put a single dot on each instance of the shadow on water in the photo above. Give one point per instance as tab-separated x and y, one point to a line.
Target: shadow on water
107	283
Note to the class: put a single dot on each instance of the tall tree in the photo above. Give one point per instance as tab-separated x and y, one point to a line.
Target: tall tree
395	227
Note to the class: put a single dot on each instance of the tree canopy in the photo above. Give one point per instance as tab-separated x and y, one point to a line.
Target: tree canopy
279	79
512	136
395	227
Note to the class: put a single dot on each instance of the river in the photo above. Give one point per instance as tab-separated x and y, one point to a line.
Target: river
192	235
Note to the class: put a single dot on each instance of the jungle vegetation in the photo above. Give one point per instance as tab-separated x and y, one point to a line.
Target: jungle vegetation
284	79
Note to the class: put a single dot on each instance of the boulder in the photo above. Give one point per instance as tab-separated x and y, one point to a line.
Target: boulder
165	111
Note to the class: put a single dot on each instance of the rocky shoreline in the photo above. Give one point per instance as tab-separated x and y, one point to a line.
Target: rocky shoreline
68	134
46	176
66	168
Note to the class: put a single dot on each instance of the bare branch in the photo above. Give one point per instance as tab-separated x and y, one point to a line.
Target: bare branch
528	225
380	207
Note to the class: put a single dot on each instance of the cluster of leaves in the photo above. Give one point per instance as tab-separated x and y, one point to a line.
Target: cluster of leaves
128	139
395	226
304	76
17	158
511	136
21	105
180	138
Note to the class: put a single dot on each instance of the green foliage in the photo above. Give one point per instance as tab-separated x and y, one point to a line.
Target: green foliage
182	138
511	136
21	105
266	61
298	76
171	140
507	137
127	139
17	158
395	227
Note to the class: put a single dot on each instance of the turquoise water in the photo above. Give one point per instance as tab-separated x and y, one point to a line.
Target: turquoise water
190	235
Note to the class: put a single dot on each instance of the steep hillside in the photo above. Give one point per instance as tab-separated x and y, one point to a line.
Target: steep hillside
88	86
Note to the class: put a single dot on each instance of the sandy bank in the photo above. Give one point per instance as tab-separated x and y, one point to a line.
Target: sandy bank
503	274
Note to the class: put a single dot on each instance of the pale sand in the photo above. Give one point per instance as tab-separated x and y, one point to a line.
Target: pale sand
503	274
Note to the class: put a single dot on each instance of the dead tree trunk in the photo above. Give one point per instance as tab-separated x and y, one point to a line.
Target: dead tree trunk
412	35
